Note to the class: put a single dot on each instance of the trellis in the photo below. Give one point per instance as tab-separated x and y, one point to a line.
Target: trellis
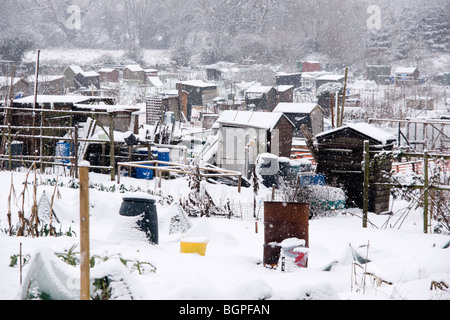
427	187
420	135
9	135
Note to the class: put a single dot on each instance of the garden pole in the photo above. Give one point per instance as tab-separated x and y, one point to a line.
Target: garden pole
84	230
366	183
343	99
425	192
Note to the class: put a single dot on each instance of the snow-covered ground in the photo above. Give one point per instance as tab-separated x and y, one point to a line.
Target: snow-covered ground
404	260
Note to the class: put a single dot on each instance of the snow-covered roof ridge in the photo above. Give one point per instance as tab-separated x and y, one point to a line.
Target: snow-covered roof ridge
134	68
90	74
198	83
6	81
293	107
53	99
258	89
331	77
255	119
366	129
76	69
44	78
405	70
283	88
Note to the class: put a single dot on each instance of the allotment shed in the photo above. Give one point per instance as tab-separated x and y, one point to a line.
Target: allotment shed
243	135
340	153
309	114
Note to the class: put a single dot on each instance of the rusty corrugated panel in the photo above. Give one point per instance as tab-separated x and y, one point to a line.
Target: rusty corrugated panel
282	221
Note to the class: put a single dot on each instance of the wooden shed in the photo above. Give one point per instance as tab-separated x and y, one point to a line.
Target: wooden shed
134	72
311	66
20	85
378	73
243	135
261	98
309	114
200	92
285	93
333	78
70	74
109	75
87	79
340	153
49	85
407	76
294	79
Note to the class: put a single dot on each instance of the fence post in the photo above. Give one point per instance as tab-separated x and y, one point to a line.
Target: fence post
425	191
366	182
84	230
9	148
112	146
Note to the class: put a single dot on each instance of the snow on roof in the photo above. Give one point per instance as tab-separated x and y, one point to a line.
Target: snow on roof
6	81
284	88
331	77
263	120
134	68
198	83
281	74
286	107
88	74
43	78
405	70
76	69
366	129
52	99
258	89
107	70
107	108
155	81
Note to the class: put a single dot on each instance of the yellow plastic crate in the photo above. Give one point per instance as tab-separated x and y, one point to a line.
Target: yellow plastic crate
194	246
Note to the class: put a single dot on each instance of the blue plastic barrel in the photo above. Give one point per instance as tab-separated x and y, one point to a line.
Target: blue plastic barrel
63	150
163	155
146	174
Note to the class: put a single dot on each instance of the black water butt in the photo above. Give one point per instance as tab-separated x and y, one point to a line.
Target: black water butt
146	209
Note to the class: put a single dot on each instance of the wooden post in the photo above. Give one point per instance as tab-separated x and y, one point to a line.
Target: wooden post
75	150
366	182
41	143
425	192
343	101
35	99
338	121
332	110
9	148
309	141
112	146
84	230
20	263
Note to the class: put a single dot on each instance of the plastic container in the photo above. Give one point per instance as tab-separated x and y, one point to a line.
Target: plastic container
163	155
143	206
63	150
146	174
194	245
294	254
